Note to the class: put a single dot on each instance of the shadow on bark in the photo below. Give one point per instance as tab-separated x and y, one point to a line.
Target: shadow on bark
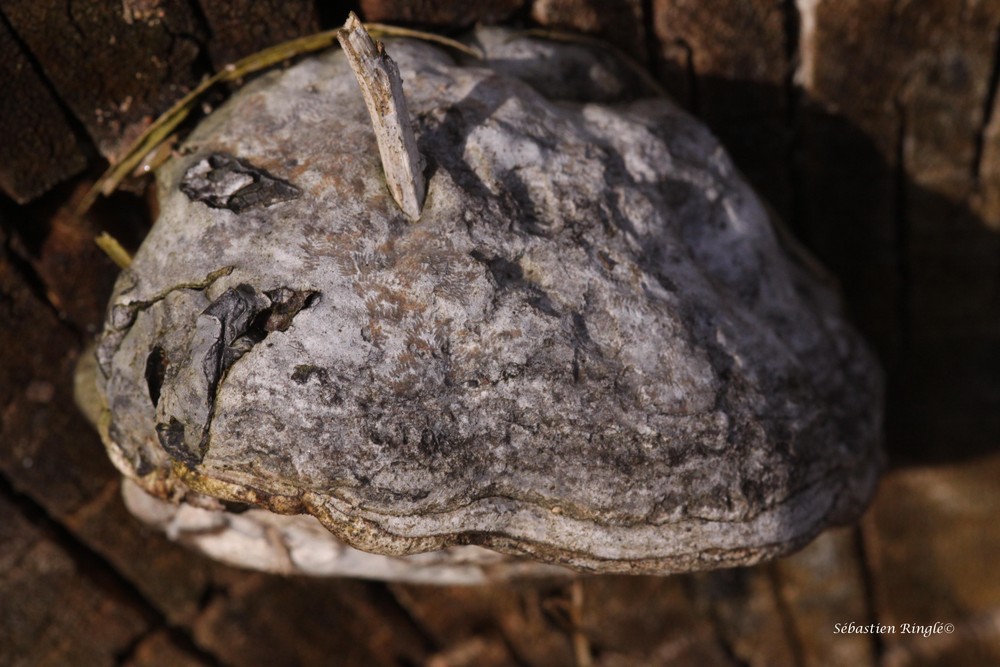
920	272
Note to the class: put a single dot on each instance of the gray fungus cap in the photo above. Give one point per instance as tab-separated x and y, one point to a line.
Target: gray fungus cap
593	349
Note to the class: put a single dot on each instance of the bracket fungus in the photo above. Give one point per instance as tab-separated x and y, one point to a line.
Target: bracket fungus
592	350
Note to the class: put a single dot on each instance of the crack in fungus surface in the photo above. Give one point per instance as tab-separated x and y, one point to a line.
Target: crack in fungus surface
240	318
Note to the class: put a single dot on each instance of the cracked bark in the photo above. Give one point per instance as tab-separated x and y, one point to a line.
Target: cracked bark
451	14
735	57
273	21
39	144
794	102
620	23
112	66
986	163
989	108
787	616
901	236
97	571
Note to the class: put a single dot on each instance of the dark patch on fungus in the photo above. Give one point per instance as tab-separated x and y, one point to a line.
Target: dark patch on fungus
507	274
228	328
171	437
236	309
156	368
305	372
285	305
504	271
223	181
246	318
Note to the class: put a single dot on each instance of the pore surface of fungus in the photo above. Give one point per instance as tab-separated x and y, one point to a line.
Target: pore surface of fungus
592	349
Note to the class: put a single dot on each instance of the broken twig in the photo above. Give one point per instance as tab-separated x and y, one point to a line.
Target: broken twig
382	89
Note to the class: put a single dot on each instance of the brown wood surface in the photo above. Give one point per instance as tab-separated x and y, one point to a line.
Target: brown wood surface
114	65
869	125
38	148
237	28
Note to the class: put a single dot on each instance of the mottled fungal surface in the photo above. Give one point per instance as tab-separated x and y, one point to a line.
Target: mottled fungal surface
592	349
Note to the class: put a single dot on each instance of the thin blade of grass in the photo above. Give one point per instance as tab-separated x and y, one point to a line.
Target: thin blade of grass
383	30
113	249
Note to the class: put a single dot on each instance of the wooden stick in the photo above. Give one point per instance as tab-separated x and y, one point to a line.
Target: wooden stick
382	89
